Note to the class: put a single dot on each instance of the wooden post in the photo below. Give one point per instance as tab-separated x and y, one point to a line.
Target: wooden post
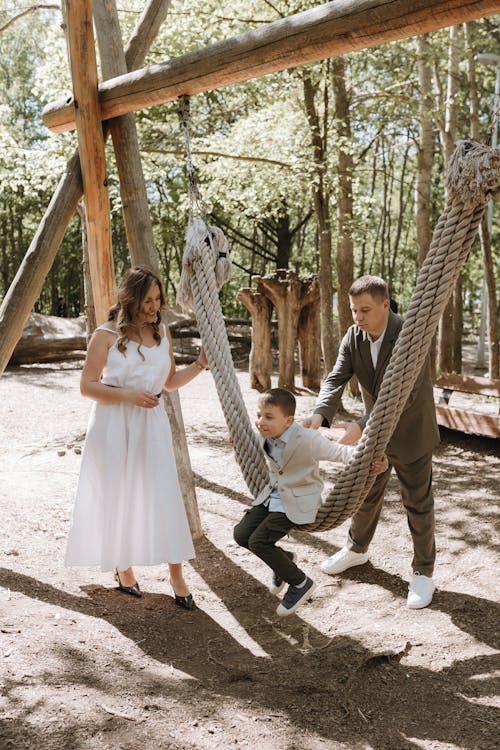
261	358
83	65
329	30
139	228
309	334
27	284
123	129
284	290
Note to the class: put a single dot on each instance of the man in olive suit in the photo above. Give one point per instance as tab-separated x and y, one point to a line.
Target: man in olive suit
365	352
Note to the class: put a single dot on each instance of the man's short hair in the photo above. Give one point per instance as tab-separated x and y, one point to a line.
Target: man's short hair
280	397
373	285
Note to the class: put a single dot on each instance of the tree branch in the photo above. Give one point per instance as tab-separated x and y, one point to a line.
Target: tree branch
39	6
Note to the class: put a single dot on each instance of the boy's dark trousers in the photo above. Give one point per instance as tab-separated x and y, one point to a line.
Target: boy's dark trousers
258	531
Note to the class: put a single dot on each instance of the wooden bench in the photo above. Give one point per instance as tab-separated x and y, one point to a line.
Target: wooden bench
472	416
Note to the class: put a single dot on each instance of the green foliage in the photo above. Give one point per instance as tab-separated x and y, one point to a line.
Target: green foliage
252	146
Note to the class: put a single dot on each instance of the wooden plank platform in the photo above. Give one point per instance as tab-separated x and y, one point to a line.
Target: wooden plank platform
473	416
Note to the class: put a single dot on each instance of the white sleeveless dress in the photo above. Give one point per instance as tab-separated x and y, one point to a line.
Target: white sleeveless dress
128	507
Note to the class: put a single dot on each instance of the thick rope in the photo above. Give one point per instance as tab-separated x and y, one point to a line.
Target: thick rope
199	261
474	173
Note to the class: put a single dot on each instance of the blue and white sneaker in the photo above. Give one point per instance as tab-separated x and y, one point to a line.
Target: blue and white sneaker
295	596
277	583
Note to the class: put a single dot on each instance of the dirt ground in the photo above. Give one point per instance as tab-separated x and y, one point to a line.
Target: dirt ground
83	666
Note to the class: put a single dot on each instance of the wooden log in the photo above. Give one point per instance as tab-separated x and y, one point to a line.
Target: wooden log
27	284
309	335
47	338
333	29
261	358
284	289
139	228
473	384
80	36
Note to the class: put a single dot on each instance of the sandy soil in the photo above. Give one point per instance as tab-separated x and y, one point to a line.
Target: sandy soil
83	666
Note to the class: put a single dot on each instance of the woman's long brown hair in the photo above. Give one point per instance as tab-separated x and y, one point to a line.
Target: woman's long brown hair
132	291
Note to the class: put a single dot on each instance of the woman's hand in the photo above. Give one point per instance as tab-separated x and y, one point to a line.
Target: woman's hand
144	399
202	358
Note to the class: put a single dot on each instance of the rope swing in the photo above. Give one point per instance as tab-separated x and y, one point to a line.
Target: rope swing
473	175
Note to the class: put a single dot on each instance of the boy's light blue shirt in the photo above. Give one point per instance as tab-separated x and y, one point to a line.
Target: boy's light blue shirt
275	447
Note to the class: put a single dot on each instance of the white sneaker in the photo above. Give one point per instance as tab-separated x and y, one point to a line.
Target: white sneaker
342	560
420	591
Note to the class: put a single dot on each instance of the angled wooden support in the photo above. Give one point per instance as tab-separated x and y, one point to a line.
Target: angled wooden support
138	225
326	31
28	282
82	59
125	142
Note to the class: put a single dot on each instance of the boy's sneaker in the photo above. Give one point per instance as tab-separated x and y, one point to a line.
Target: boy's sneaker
294	597
277	583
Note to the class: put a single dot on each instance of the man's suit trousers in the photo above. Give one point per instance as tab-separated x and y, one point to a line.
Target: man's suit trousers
415	480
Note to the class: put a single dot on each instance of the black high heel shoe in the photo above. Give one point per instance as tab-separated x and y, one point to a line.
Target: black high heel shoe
186	602
132	590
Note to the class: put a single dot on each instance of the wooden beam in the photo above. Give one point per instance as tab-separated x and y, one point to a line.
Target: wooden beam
139	227
31	274
81	48
330	30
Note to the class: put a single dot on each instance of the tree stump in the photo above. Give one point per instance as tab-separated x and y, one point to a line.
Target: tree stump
261	359
289	295
309	334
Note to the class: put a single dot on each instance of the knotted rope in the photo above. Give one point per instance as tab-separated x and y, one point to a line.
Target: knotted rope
474	173
200	290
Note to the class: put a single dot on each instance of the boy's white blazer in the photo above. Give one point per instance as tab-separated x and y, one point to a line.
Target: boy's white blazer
299	481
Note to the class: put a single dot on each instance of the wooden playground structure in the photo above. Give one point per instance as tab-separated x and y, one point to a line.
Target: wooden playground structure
98	110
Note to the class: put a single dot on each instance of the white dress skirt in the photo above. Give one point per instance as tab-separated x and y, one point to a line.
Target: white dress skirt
128	507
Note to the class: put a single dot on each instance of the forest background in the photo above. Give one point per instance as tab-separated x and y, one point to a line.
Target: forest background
336	168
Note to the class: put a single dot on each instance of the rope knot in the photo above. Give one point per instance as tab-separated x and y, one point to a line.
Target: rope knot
204	243
473	173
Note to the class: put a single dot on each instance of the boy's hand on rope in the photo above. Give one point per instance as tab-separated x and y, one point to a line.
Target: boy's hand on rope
378	467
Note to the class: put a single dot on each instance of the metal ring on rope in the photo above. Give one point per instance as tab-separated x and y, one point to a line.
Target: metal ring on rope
474	173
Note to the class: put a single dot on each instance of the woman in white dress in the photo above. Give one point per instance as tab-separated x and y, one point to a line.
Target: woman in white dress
129	508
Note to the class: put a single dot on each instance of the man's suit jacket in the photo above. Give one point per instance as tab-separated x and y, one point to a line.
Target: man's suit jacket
299	481
416	432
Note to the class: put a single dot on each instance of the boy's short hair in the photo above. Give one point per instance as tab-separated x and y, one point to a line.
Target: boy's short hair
373	285
280	397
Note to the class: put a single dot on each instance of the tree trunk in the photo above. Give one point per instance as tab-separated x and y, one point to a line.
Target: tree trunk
345	205
261	357
322	213
448	332
484	234
424	163
489	271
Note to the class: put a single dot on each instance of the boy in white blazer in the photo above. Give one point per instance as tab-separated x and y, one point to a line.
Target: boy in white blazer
293	494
